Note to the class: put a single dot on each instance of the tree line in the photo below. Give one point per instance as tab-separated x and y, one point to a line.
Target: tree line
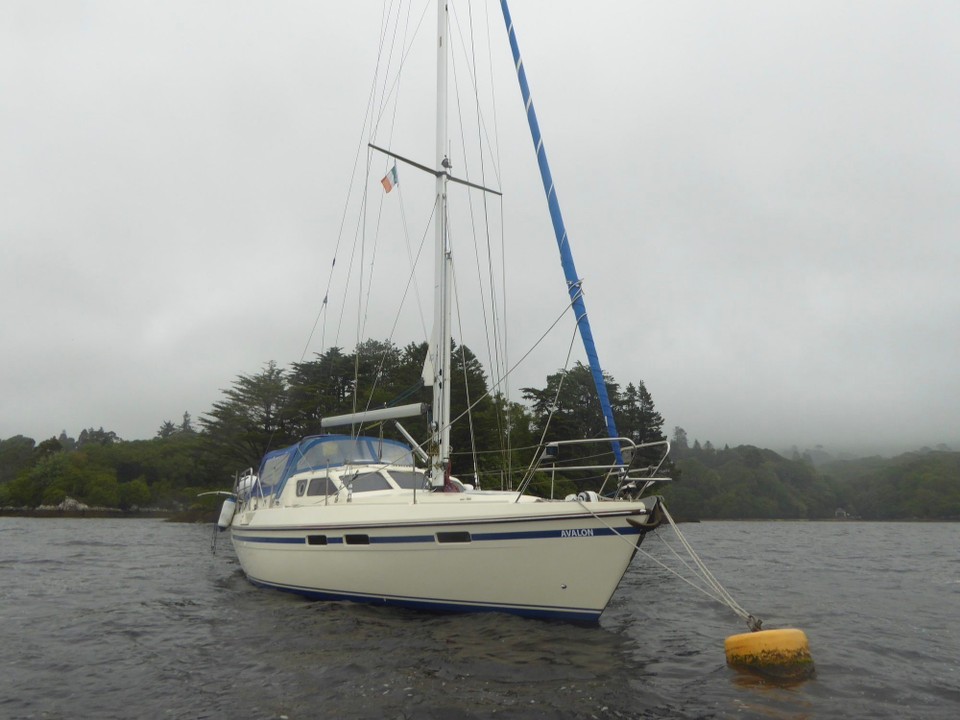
747	482
276	406
493	437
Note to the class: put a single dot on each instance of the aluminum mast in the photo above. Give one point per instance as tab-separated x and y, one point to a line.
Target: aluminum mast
440	452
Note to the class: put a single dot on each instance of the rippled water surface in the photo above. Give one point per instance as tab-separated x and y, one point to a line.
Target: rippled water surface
136	618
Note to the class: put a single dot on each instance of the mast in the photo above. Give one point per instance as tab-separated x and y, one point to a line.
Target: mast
574	282
440	452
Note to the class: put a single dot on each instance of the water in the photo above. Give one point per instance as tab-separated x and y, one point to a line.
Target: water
137	619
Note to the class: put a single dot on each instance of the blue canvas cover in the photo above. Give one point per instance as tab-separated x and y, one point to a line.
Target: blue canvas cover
321	452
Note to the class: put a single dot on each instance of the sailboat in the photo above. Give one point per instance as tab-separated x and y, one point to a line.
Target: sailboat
361	517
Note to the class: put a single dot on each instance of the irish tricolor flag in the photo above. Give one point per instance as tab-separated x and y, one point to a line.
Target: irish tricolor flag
390	179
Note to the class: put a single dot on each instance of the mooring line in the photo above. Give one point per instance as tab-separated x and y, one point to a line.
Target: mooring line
719	593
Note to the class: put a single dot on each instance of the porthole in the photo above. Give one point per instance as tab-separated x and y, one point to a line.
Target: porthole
453	537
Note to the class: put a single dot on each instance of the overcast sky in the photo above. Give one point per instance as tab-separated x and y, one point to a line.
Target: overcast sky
763	200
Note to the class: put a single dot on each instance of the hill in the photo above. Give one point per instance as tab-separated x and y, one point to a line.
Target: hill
747	482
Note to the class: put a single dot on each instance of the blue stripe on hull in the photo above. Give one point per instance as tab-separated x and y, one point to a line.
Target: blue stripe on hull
433	605
475	537
268	539
333	527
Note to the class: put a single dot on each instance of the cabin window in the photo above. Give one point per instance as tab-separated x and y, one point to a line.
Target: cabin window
321	486
365	482
356	539
301	487
316	539
271	472
453	537
409	480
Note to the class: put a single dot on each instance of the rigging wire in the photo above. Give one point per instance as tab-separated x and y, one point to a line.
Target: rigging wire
322	313
364	305
493	355
495	384
495	145
383	356
466	387
394	50
364	302
496	355
531	468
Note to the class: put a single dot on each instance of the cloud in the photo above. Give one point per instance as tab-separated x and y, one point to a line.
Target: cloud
761	199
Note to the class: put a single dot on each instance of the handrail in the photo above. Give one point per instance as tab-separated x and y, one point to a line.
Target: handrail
627	475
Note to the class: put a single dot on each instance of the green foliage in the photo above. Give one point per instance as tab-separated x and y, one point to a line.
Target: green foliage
144	473
16	454
568	409
167	429
102	489
379	374
918	485
97	437
134	494
49	480
748	483
249	420
275	407
49	447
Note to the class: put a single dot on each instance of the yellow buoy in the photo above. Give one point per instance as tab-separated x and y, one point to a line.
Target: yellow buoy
779	653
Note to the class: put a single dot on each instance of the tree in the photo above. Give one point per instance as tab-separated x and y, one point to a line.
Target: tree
134	494
249	421
103	490
54	476
16	453
376	366
478	419
505	470
568	407
168	429
66	442
679	443
320	387
186	425
97	437
638	419
49	447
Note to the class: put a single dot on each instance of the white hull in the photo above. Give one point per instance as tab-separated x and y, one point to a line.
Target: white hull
459	552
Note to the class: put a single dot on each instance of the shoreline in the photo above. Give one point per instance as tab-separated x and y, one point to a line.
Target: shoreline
210	516
186	516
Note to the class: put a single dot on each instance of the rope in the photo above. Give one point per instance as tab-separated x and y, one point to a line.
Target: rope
708	577
719	593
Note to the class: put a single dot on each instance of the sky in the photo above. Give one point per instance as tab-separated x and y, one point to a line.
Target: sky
763	200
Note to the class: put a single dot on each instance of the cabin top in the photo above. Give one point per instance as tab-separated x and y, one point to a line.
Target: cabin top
323	452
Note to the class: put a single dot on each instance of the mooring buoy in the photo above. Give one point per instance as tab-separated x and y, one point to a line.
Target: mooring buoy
781	653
